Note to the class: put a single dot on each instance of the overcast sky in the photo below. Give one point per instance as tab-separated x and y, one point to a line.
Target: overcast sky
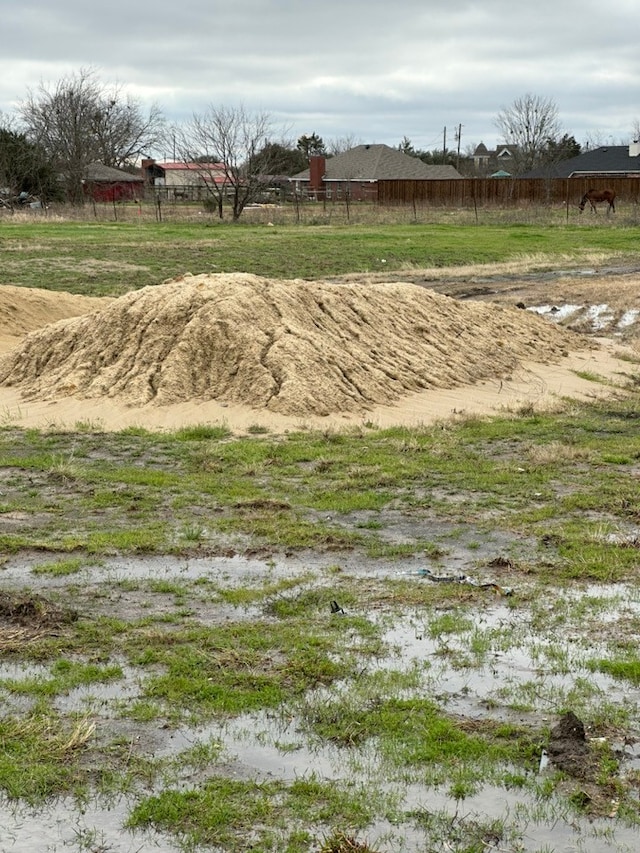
371	70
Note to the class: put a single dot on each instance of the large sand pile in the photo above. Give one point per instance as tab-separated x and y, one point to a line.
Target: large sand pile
24	309
291	347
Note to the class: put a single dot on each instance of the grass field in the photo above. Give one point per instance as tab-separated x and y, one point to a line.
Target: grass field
169	659
103	259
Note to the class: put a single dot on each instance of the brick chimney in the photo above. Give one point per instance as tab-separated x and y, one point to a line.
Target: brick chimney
317	165
147	169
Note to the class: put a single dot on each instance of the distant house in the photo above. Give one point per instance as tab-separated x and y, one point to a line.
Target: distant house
355	173
183	180
614	161
490	163
103	183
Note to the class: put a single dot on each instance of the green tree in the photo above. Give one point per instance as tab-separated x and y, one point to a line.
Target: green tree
311	145
437	157
24	167
562	149
275	158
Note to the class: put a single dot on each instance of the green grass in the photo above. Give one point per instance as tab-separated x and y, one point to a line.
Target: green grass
243	667
233	814
111	258
70	566
629	669
39	754
535	475
416	733
64	675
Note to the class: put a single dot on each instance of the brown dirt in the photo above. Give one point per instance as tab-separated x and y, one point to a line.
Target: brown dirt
29	616
568	748
242	348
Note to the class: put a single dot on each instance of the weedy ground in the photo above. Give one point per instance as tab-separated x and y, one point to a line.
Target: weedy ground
153	583
171	658
102	258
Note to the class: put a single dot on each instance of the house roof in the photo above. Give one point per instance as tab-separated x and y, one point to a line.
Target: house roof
505	149
186	167
377	163
98	172
606	160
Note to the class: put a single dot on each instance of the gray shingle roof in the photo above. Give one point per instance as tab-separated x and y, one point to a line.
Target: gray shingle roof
606	160
377	163
99	172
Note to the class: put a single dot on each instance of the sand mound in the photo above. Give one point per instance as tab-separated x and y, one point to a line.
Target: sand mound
292	347
25	309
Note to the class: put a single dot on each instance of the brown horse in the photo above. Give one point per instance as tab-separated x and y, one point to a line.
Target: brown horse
595	197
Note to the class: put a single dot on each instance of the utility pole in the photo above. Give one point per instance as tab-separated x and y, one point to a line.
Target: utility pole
458	137
444	145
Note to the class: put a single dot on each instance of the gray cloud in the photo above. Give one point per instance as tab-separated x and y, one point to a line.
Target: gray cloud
374	71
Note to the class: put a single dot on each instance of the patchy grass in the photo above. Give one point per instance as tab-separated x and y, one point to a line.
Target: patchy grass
64	675
111	258
545	504
140	493
40	751
233	814
70	566
627	669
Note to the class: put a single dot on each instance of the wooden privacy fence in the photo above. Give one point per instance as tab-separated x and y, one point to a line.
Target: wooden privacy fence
503	192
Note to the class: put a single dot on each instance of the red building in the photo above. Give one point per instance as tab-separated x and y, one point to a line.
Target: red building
103	183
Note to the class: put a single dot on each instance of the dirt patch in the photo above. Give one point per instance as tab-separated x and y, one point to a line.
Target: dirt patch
25	617
568	748
32	611
603	301
292	347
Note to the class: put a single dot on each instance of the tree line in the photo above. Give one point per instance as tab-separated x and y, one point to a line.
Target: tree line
61	128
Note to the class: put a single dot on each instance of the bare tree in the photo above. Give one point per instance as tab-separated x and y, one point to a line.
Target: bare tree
530	123
230	149
78	120
341	144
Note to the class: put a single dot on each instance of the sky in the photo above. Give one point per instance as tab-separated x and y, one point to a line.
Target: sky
368	71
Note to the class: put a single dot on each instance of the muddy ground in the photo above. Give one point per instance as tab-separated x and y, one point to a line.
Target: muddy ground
603	300
34	605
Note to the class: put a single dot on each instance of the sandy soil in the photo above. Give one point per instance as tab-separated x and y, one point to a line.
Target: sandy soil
379	353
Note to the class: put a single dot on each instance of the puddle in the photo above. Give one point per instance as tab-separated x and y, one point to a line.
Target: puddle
263	747
555	312
598	318
499	665
482	690
629	318
64	826
229	571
